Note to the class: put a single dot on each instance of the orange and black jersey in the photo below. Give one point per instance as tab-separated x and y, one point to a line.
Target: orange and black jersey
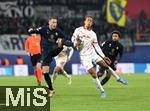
112	49
32	45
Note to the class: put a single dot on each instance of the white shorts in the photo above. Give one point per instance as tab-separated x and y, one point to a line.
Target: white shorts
61	61
88	60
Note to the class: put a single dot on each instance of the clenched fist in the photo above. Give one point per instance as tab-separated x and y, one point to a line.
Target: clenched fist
107	60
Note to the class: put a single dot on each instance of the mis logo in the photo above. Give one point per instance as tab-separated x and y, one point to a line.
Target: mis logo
24	98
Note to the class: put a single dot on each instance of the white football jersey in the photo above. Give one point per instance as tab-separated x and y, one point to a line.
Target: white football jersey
88	38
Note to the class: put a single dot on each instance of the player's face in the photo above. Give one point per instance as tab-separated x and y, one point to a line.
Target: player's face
115	37
88	22
52	23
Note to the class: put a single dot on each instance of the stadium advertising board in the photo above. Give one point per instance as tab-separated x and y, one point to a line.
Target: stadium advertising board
6	71
21	70
126	68
122	68
78	69
16	70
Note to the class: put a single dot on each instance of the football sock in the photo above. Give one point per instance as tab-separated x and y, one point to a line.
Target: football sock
104	80
35	73
48	80
111	71
98	84
39	75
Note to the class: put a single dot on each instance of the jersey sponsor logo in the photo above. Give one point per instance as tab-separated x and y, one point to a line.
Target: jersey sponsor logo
86	36
83	36
51	38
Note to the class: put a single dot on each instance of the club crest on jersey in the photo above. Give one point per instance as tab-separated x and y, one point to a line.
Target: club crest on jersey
113	50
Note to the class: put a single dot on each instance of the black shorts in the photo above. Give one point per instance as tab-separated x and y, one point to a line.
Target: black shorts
48	54
35	59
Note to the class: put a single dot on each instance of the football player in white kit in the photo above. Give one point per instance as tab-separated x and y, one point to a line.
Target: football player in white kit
85	40
61	59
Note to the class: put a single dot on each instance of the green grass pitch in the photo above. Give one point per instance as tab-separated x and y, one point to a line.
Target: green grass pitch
83	96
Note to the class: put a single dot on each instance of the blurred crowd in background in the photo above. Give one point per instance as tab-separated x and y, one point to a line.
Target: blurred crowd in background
16	24
17	16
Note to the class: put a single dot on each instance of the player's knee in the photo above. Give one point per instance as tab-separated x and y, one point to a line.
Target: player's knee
92	73
38	66
105	66
108	75
94	76
56	70
45	69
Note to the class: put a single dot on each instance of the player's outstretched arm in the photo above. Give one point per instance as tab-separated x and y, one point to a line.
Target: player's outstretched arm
37	31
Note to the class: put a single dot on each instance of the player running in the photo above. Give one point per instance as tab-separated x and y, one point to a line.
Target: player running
85	40
33	49
51	44
112	49
61	59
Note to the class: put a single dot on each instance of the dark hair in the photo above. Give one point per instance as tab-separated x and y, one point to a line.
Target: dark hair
88	16
82	22
53	17
116	32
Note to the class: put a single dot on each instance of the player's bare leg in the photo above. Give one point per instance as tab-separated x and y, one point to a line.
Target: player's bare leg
64	73
67	76
92	71
55	73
